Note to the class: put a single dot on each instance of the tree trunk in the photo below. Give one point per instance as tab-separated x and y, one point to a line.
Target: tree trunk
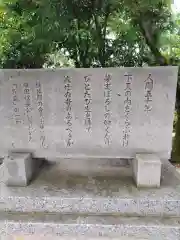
176	140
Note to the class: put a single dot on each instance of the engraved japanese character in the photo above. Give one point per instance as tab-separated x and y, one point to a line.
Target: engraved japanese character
149	83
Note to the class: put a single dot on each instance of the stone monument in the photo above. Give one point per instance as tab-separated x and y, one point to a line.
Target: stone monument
120	120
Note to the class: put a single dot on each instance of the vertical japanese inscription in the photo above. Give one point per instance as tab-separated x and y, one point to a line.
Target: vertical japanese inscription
149	84
127	109
87	103
15	103
68	109
28	109
40	106
107	108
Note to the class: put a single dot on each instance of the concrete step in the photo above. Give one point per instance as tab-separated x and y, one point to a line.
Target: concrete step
56	190
75	226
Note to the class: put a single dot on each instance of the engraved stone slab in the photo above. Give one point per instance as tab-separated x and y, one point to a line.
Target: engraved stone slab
107	112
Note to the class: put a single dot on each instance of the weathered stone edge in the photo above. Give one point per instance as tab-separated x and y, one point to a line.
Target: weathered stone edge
90	230
133	207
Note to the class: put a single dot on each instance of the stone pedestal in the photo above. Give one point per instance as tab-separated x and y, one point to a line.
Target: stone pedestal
62	206
147	170
19	169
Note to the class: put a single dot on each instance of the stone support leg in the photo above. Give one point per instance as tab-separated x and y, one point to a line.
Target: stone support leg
19	168
147	170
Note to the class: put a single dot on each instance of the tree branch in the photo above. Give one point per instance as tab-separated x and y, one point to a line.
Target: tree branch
101	34
145	28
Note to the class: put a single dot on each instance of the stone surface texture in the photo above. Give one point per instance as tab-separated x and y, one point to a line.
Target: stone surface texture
113	112
37	237
147	170
90	226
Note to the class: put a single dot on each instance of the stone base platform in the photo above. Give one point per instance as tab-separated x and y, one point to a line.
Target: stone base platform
91	202
57	190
